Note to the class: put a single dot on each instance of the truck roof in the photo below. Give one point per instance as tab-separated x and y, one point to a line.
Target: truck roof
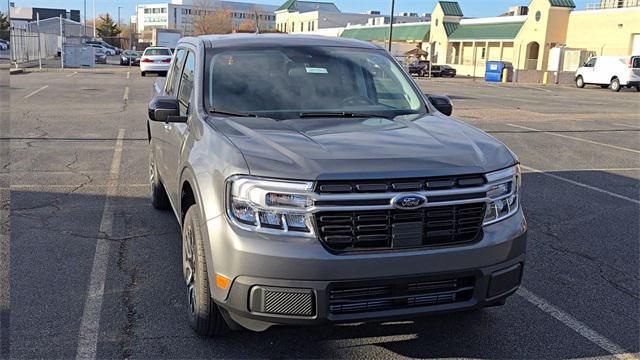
248	40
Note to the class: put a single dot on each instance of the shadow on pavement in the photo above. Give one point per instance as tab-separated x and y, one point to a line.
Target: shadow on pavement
144	309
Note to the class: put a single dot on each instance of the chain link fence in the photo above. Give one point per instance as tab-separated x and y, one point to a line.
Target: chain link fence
30	47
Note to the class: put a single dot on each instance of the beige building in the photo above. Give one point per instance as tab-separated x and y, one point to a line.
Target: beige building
528	41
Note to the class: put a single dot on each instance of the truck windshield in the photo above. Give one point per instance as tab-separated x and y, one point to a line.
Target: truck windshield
293	82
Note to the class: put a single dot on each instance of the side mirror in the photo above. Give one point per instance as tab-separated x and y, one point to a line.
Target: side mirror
441	103
165	109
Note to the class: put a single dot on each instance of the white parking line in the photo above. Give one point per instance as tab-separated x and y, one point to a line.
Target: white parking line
125	98
69	186
72	74
627	125
614	349
591	169
530	169
90	325
575	138
128	74
535	88
37	91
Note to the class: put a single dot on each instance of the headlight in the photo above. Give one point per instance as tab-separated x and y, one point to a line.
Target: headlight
270	205
504	191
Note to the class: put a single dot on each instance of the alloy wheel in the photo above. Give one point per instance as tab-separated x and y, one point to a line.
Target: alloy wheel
188	259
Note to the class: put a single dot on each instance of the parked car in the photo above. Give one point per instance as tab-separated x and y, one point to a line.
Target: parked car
156	60
107	51
442	71
100	55
420	68
6	43
130	57
114	50
612	72
3	46
314	183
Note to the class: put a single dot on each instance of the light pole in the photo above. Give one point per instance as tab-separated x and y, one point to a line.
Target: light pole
119	7
393	6
85	18
94	19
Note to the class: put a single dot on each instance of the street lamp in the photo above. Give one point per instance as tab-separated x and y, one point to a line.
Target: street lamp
94	19
119	25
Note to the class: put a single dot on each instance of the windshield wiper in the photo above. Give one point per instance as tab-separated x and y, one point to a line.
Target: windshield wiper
232	113
340	114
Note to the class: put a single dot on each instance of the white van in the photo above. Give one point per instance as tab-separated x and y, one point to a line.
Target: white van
612	72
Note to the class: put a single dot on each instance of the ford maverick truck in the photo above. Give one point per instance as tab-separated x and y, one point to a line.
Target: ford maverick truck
315	183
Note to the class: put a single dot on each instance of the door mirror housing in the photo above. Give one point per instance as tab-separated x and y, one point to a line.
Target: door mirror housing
442	103
165	109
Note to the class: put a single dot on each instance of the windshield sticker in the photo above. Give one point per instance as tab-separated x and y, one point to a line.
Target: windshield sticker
316	70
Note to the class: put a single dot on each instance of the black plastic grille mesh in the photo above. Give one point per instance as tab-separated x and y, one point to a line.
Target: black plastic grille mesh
394	229
288	303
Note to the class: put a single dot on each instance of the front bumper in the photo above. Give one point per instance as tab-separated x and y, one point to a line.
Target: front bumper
275	280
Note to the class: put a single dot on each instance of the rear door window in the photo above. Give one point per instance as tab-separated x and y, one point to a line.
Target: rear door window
635	62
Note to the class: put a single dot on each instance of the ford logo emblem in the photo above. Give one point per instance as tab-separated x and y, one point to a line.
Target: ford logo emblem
408	201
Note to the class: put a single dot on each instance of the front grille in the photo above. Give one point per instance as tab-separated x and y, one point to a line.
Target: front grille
397	294
398	185
394	229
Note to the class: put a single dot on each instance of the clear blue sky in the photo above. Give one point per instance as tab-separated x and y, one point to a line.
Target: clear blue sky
473	8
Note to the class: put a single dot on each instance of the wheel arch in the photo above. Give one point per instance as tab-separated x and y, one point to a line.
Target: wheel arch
190	195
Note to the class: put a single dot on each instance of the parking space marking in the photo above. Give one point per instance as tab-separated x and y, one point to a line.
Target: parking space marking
536	88
68	186
128	74
576	325
592	169
35	92
627	125
90	325
573	182
575	138
125	98
72	74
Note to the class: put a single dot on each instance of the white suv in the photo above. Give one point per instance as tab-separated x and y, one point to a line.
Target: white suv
612	72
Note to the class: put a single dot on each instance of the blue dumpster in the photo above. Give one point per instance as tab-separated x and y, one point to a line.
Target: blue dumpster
494	70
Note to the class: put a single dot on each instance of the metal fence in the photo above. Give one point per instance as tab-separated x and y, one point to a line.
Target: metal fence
27	47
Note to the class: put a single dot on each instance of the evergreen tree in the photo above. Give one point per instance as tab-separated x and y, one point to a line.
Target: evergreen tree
4	23
106	27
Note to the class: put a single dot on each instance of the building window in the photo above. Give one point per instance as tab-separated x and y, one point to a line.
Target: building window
483	53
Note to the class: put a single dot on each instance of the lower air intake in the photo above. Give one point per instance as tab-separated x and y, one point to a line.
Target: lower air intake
282	301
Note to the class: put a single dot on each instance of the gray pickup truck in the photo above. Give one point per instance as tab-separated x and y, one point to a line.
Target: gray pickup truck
315	183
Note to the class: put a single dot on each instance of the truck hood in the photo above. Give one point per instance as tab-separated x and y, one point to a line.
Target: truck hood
334	149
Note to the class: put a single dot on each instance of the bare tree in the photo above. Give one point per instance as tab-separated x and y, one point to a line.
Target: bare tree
257	19
211	19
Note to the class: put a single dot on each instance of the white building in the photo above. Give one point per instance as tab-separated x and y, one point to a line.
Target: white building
179	14
297	16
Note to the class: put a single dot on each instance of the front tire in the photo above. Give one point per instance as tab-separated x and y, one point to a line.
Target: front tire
159	197
615	85
204	316
580	82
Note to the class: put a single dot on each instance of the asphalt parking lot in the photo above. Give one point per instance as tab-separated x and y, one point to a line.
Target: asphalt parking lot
75	168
